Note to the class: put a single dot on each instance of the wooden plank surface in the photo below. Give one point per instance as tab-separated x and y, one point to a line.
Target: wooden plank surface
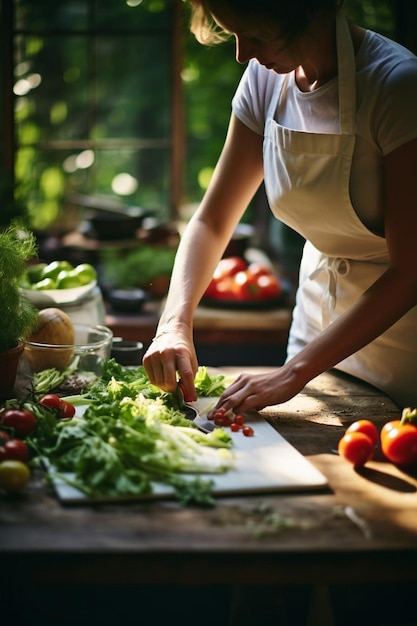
354	530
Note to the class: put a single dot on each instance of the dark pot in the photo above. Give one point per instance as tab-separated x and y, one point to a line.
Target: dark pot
240	241
126	300
127	352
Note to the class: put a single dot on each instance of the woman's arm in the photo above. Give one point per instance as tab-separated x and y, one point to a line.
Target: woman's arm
236	178
385	302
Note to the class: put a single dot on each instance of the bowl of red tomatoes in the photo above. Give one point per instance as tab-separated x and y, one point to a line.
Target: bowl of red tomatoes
239	284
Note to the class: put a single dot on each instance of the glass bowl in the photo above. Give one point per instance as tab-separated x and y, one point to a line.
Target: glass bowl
76	365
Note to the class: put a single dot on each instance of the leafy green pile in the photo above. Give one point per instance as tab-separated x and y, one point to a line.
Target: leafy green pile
131	435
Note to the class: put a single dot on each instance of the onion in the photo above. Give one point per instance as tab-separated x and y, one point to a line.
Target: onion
54	333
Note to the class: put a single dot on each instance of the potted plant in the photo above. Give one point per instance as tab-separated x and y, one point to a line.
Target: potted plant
18	315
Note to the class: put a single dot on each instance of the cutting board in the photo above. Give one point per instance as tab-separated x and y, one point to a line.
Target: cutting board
264	463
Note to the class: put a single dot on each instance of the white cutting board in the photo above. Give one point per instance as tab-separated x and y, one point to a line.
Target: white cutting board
264	463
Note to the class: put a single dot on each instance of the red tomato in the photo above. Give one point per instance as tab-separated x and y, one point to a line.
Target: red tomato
229	266
23	422
365	426
66	409
245	286
357	448
239	419
388	427
51	400
248	431
223	288
257	269
14	450
3	436
399	444
270	286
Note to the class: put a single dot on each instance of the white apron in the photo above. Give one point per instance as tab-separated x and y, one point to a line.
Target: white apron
307	183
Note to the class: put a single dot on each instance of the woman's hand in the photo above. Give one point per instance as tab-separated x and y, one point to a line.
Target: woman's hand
256	391
172	354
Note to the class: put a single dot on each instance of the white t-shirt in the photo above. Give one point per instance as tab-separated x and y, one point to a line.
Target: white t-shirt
386	96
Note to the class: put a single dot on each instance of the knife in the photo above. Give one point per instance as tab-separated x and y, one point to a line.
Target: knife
191	413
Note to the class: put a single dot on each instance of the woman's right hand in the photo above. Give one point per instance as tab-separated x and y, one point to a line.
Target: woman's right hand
172	355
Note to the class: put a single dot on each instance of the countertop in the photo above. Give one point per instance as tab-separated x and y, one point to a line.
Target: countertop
352	530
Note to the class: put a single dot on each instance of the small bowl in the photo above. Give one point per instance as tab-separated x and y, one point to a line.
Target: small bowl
92	347
126	300
127	352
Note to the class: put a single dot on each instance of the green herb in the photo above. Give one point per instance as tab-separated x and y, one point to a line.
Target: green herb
18	315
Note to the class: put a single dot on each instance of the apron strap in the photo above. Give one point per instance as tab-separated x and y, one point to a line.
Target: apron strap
347	77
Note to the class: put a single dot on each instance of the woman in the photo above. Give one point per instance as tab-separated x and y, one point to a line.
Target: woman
325	115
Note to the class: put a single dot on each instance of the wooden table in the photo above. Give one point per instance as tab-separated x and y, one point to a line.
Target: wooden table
362	529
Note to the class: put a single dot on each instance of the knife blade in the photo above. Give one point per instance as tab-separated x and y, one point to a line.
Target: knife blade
192	413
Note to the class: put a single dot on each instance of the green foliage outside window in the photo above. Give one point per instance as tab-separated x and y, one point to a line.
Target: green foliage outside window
93	82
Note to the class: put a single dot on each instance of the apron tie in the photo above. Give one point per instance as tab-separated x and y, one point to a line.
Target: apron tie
333	266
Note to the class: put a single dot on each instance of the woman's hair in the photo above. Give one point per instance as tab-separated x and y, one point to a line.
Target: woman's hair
292	17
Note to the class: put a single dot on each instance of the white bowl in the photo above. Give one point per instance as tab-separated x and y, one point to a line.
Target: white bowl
52	297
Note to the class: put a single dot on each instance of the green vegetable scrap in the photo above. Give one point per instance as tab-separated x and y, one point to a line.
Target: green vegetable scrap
209	385
49	379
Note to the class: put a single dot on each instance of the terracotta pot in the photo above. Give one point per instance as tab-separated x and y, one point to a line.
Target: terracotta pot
8	371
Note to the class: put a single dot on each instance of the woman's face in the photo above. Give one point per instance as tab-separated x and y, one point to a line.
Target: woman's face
260	42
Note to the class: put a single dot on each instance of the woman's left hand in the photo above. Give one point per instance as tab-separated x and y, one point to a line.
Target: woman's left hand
256	391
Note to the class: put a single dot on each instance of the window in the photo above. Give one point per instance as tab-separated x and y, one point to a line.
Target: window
91	103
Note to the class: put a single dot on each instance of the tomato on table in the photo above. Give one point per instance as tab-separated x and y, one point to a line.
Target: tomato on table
66	409
22	421
364	426
50	400
356	447
14	450
399	443
14	476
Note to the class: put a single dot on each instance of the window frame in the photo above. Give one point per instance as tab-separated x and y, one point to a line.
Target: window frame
8	135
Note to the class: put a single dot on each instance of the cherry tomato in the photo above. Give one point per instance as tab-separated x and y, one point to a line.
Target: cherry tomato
14	450
239	419
235	427
364	426
248	431
356	447
66	409
51	400
23	422
14	476
399	444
